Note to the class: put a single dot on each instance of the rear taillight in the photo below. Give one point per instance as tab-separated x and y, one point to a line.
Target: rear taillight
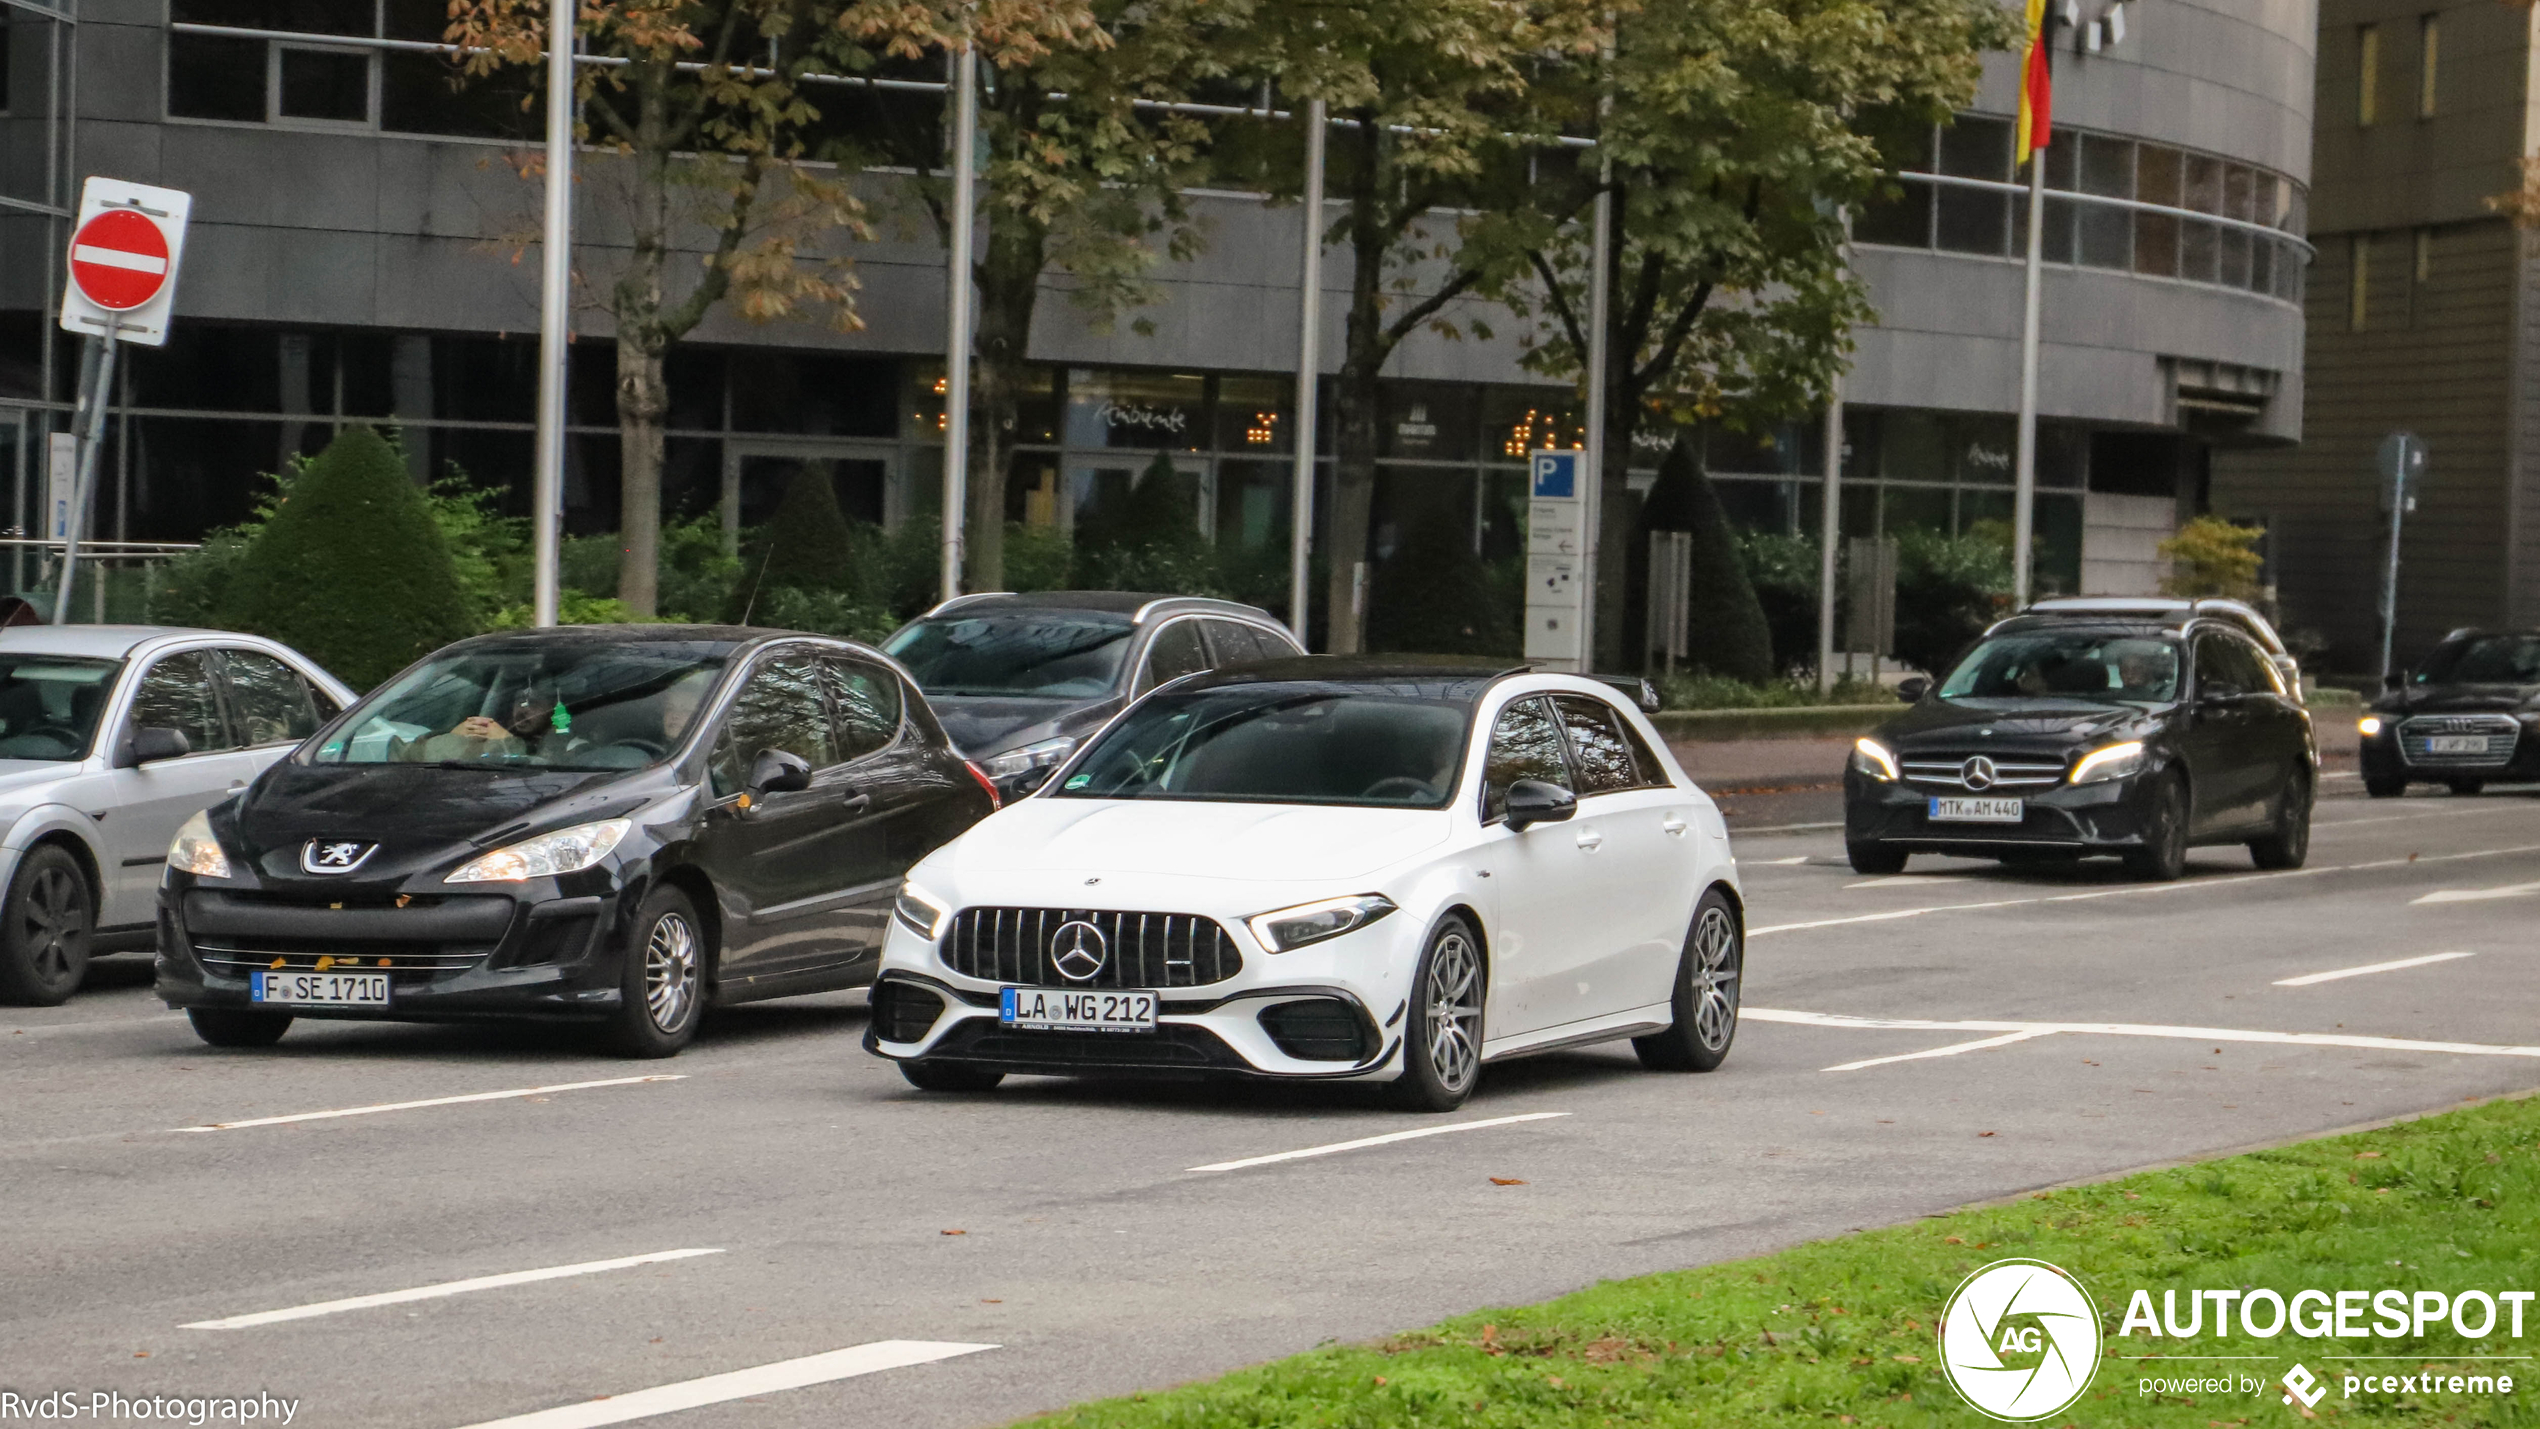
996	800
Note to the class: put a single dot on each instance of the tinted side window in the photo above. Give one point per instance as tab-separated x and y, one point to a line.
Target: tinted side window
269	699
176	693
1234	643
865	702
1524	744
780	708
2261	673
1606	762
2215	669
1176	652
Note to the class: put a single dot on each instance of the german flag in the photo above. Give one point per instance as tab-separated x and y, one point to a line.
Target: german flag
2037	85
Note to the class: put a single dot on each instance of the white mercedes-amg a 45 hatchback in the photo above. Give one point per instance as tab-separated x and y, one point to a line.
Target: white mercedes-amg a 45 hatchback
1327	868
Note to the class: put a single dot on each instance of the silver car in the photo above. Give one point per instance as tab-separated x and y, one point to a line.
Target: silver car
110	737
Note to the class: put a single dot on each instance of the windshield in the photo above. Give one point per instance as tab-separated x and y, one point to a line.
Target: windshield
546	704
1279	744
1053	654
2487	660
2077	665
49	705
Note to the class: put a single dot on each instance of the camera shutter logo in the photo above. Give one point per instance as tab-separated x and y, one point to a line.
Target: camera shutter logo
1078	950
2059	1325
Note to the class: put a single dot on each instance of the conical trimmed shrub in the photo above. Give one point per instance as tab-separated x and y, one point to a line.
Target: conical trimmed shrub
806	546
352	570
1727	634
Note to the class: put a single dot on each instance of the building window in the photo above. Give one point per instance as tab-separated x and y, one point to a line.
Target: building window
2358	281
2367	73
322	76
2429	52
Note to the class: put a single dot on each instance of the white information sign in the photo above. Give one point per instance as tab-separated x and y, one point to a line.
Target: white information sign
61	474
1556	545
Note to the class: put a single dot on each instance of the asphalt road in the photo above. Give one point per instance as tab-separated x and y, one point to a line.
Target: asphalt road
2058	1026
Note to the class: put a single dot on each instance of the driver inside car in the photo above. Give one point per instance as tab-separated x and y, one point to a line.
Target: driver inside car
484	737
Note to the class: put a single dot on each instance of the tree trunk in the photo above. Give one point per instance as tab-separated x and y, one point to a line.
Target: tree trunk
1355	399
643	392
1009	277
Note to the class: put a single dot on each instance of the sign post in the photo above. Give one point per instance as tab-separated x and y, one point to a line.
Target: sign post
1556	548
123	261
2402	462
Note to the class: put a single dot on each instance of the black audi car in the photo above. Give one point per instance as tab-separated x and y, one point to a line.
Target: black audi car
611	824
2468	714
2056	738
1021	680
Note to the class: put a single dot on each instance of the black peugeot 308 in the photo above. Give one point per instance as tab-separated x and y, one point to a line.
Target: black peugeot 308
616	825
2055	738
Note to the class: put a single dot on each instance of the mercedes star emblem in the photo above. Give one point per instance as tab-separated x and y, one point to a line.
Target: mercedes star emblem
1078	951
1977	773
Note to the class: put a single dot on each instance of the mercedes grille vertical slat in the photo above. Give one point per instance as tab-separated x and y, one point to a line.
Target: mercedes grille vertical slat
1141	949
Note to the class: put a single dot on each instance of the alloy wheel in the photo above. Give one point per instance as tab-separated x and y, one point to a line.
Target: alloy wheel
670	971
56	921
1715	973
1454	1020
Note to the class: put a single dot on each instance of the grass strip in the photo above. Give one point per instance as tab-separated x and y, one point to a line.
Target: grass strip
1842	1331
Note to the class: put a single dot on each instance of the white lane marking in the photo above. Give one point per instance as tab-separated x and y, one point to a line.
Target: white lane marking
2137	889
1386	1139
738	1384
2391	967
1952	1050
94	1024
447	1287
118	258
1775	862
2340	774
2477	895
1789	828
2138	1029
1908	880
433	1101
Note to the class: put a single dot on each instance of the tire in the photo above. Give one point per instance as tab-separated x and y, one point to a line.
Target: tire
2385	786
1706	995
236	1027
664	979
2288	843
2163	855
1442	1039
45	926
2467	787
950	1077
1875	858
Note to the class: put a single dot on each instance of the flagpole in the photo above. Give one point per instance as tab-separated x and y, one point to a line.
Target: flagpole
2024	488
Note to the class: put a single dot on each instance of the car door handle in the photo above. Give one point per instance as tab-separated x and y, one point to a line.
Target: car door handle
1674	826
1590	839
855	803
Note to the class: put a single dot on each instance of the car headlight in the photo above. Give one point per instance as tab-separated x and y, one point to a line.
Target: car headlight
195	851
1047	754
2369	726
2114	762
921	913
1871	758
564	851
1313	922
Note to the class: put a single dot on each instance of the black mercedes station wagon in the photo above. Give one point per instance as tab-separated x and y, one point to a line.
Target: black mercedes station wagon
2468	714
2056	738
617	825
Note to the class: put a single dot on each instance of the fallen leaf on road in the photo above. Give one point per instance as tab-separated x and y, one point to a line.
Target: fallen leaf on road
1984	1133
952	1232
1506	1181
992	1302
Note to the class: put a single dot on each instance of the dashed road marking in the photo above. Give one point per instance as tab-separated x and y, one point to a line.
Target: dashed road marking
738	1384
1952	1050
2390	967
442	1290
433	1101
2137	1029
1387	1139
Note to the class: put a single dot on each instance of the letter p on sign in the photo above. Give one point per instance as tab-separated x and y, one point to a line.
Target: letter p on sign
123	261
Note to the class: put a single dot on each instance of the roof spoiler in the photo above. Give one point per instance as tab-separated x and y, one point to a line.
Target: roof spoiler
943	606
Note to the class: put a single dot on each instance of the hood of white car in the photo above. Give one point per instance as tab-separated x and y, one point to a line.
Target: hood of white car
1250	842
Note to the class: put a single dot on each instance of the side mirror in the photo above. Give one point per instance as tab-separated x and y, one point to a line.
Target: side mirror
1029	781
777	772
1912	688
2219	692
152	743
1532	801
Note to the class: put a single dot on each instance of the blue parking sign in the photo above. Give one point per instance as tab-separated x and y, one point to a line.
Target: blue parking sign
1556	475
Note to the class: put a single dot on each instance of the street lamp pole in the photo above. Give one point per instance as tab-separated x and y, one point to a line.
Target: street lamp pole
1830	512
1309	372
957	313
555	314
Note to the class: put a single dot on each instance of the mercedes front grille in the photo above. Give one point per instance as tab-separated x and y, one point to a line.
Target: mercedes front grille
1148	950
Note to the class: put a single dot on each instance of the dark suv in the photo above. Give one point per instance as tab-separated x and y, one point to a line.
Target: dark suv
2057	737
1020	680
2465	715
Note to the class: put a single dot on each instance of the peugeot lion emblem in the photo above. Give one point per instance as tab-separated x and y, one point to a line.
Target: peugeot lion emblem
1977	773
1078	950
335	855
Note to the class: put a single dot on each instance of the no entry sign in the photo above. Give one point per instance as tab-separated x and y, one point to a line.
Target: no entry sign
123	261
119	259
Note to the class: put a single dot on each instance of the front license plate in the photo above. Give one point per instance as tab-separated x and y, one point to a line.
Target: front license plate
322	989
1976	811
1054	1010
2457	744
